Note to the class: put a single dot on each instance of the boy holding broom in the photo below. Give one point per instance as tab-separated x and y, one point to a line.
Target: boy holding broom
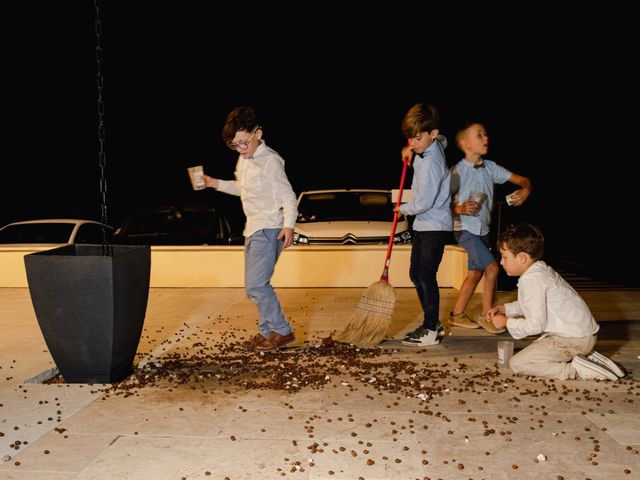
433	223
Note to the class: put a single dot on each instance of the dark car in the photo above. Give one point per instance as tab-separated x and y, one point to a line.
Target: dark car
177	225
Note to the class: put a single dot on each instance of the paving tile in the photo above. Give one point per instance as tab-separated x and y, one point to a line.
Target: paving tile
624	429
171	458
29	411
61	452
348	459
34	475
151	412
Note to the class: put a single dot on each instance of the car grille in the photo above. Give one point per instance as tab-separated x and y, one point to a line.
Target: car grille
348	239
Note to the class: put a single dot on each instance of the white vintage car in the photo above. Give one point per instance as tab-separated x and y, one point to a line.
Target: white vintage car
348	216
54	231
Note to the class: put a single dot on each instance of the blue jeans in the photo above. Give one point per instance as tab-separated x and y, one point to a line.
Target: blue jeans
261	253
426	254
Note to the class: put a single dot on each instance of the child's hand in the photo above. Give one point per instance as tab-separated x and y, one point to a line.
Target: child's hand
469	207
287	234
210	182
408	154
499	320
518	197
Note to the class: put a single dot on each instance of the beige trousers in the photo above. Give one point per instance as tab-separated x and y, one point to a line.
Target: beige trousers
550	357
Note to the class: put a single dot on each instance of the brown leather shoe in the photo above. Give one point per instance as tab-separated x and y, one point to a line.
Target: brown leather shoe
256	341
275	341
281	340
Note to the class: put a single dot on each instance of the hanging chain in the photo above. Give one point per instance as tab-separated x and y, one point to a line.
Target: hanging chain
102	157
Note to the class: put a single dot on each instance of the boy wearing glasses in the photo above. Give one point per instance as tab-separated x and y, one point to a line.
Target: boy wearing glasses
269	204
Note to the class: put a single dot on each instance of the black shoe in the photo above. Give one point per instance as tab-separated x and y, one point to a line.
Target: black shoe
421	337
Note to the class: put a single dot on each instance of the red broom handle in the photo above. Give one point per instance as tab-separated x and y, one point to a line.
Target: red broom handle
385	272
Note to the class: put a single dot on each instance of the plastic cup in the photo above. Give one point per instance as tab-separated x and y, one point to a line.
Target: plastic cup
505	352
196	175
477	197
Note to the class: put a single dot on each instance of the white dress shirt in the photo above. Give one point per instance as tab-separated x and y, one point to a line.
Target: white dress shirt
268	201
548	305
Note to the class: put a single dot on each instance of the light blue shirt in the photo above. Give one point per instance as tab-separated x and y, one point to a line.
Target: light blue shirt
466	179
430	191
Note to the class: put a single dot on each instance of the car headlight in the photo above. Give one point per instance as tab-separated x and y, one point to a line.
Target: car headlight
402	237
300	239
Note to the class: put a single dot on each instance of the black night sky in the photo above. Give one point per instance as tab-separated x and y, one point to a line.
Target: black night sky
331	83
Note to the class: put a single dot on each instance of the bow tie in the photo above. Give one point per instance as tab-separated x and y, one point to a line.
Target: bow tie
421	155
480	165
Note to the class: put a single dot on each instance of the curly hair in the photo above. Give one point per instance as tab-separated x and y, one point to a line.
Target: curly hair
522	237
239	119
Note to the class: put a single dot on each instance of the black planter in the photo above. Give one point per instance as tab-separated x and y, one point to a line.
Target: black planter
90	302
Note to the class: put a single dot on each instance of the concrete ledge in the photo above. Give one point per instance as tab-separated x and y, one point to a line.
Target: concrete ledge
303	266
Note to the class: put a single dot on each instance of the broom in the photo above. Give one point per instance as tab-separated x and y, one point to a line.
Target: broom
369	323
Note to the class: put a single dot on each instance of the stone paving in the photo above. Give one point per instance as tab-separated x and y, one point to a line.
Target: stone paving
198	407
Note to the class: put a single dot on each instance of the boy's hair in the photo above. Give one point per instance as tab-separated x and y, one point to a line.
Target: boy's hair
522	237
239	119
463	131
422	117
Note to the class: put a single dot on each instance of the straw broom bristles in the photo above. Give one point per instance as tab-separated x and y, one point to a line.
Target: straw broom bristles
368	325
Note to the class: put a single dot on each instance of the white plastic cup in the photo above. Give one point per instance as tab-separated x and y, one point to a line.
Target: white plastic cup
505	352
477	197
196	175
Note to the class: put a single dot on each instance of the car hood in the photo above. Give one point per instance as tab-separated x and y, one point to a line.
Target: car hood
339	229
32	245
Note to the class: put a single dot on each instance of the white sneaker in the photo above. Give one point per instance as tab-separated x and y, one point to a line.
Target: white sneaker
441	332
602	360
421	337
590	370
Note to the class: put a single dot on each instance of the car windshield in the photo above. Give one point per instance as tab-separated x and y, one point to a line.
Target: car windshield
345	206
175	223
36	233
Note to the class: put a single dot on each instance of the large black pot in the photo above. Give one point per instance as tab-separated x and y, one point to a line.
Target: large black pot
90	302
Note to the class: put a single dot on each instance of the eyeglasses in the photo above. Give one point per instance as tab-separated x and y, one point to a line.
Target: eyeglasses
244	144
